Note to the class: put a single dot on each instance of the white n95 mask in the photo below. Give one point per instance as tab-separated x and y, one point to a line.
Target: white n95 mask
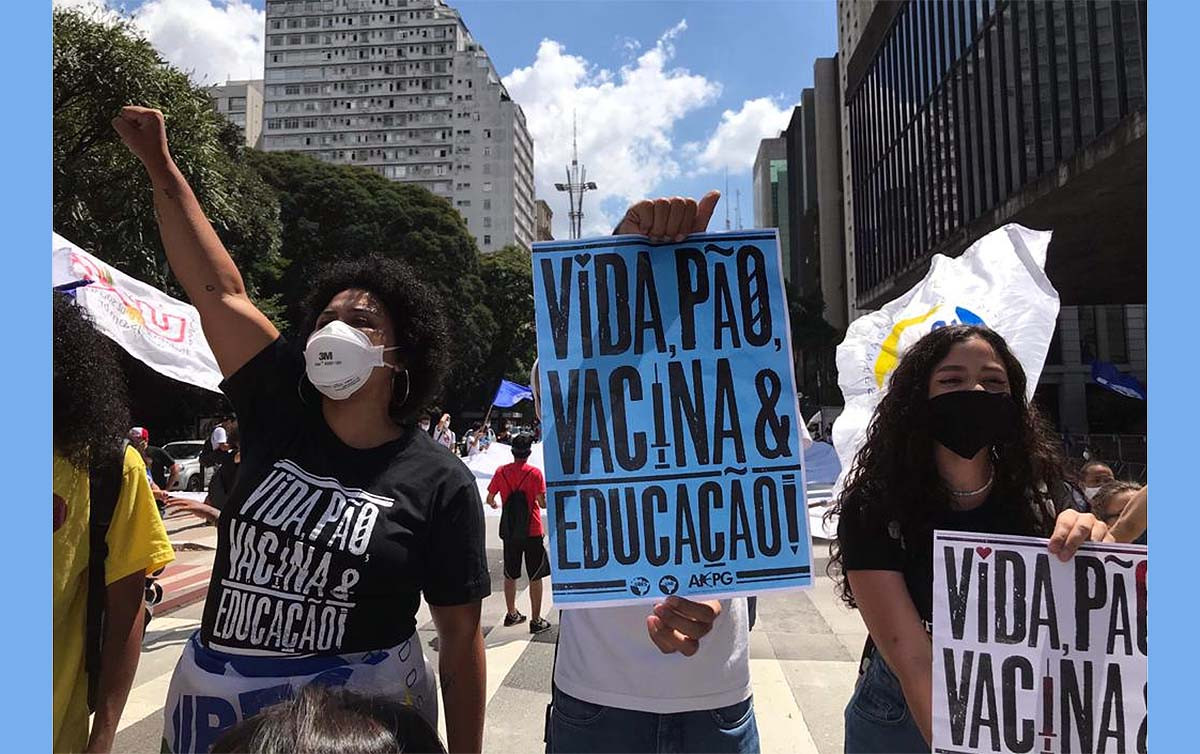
338	360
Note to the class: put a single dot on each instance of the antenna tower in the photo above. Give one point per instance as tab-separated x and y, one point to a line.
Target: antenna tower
577	184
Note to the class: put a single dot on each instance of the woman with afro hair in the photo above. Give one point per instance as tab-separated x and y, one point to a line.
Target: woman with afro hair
344	515
954	444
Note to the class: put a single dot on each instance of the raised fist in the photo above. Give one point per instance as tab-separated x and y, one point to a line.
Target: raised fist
669	219
144	132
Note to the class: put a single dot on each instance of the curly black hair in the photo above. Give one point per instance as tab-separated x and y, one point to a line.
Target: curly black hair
91	406
895	478
416	315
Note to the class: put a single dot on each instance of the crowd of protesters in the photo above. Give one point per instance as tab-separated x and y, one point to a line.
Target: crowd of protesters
336	417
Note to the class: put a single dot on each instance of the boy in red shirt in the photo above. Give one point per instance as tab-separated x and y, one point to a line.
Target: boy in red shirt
519	475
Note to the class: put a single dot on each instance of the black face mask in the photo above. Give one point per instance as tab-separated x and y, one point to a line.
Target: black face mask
967	421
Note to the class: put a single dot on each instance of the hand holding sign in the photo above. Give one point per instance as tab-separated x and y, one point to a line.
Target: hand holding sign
669	219
145	133
678	625
1072	529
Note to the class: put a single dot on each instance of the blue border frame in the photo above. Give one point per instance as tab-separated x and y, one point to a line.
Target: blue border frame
1171	284
1172	276
26	200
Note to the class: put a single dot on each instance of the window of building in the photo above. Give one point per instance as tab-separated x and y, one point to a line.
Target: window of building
487	240
1118	347
487	186
487	133
487	222
1089	350
237	104
487	203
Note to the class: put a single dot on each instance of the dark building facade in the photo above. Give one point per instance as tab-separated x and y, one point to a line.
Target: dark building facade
963	116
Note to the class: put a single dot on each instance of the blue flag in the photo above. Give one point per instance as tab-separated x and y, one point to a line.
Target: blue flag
1107	375
510	394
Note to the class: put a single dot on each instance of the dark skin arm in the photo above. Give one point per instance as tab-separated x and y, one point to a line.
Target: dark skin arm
236	330
123	625
463	674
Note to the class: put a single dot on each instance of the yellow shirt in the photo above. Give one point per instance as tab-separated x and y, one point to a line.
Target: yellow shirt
137	541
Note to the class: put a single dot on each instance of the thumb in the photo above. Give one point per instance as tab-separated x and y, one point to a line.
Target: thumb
705	209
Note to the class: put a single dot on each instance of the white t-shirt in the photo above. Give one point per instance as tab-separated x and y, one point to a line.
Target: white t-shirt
605	656
218	437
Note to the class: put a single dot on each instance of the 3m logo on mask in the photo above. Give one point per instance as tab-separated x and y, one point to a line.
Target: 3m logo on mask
325	356
896	342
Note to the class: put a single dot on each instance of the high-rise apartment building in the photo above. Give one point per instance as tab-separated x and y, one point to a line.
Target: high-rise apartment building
242	103
544	220
400	87
770	194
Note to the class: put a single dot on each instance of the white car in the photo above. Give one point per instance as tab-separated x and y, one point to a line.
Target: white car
186	453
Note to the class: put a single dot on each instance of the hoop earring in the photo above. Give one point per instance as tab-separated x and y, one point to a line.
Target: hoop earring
407	385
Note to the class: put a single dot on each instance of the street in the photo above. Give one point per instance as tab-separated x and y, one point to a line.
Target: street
803	657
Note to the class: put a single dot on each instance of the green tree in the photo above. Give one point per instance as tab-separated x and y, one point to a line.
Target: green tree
331	212
508	283
814	344
102	197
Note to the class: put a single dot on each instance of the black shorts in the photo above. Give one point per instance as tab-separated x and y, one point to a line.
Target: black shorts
533	550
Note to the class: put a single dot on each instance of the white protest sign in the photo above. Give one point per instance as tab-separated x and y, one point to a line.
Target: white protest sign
998	282
1031	654
162	332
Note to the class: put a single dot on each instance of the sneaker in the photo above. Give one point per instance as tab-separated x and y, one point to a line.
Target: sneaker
539	625
513	619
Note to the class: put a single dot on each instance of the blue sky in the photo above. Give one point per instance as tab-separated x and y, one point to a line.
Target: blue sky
669	94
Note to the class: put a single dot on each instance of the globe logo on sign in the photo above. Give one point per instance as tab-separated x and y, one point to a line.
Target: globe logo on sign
640	586
668	585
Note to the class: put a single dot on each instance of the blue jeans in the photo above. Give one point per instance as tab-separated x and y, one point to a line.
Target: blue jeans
878	720
579	727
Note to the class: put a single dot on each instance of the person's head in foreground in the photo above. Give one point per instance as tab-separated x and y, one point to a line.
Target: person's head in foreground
320	720
90	402
374	337
1092	476
955	403
1110	500
522	447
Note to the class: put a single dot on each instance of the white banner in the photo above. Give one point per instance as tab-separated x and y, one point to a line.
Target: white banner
162	332
998	282
1031	654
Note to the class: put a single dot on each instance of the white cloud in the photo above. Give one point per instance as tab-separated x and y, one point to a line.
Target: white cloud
734	143
211	39
626	122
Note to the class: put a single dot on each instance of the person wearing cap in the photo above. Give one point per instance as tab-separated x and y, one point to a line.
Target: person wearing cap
161	469
521	476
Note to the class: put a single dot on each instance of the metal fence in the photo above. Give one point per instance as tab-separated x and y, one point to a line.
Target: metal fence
1125	454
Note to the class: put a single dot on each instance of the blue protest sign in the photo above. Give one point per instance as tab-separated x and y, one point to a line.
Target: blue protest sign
673	453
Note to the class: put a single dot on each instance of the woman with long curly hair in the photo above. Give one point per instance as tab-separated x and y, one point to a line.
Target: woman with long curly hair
955	445
343	515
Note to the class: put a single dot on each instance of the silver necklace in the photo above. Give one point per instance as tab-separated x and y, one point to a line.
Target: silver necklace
984	488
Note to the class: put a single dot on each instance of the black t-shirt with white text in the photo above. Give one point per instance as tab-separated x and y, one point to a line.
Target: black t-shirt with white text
327	549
